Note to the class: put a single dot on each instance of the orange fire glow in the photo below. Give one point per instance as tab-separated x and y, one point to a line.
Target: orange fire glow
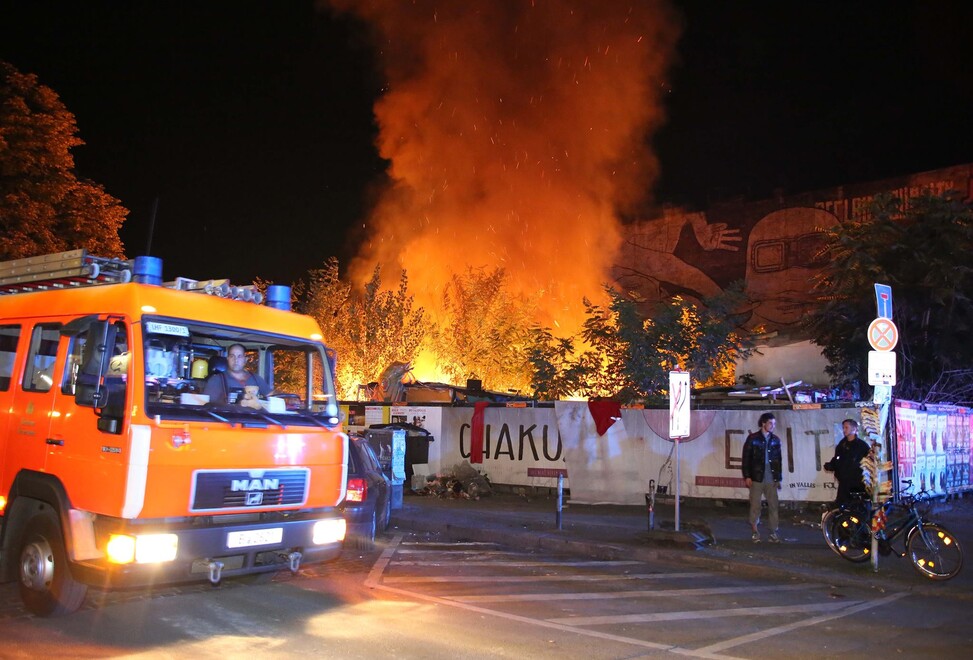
516	134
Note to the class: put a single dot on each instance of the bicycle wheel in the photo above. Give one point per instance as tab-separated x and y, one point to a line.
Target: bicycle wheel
934	551
828	528
847	533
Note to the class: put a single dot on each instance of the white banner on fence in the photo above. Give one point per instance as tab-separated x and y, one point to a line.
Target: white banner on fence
520	443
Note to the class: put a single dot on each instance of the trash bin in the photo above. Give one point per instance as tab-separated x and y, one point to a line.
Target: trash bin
389	445
415	446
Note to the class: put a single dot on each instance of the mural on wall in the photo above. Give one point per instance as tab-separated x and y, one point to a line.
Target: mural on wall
772	245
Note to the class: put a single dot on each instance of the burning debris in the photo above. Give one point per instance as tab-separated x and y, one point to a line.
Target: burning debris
463	481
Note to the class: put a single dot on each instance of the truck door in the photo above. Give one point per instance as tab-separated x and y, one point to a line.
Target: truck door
88	460
33	403
9	338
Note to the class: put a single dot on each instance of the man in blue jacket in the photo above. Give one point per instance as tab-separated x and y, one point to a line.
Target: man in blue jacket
762	474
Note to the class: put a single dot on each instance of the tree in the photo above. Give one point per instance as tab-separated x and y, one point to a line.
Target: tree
368	330
483	331
324	296
921	249
44	206
554	374
600	368
629	357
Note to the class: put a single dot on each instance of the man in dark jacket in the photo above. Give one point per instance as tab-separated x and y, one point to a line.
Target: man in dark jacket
762	474
846	464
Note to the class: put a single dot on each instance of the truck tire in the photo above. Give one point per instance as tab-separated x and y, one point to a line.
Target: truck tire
46	585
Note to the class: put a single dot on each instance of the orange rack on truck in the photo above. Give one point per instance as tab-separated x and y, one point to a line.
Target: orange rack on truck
117	469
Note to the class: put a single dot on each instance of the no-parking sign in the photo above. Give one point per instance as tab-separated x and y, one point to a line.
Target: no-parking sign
882	334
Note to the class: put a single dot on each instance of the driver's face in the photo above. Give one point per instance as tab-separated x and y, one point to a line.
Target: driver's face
236	359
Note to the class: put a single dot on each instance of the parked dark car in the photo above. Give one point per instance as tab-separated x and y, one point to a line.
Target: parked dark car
368	504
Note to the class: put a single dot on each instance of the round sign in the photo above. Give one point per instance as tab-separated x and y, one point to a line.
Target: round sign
882	334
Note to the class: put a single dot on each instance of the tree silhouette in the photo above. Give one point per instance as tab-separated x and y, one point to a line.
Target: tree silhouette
921	249
44	206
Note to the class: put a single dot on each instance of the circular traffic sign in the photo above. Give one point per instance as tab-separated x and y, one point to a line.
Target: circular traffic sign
882	334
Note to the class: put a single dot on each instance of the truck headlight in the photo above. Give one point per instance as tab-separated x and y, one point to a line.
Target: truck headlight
328	531
142	549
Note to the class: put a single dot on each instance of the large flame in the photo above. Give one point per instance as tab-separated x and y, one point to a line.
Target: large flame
516	132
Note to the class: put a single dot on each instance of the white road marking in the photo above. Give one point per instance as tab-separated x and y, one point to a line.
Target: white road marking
478	553
380	566
536	578
434	544
711	650
376	573
511	564
774	610
609	595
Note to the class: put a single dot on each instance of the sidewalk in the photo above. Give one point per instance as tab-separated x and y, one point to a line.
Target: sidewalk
621	532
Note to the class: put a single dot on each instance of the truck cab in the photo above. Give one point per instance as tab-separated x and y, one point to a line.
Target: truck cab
116	466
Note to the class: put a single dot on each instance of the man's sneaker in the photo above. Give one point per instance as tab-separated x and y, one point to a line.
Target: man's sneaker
756	537
774	538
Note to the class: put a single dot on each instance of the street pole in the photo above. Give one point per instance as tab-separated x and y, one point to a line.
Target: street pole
882	337
676	440
679	419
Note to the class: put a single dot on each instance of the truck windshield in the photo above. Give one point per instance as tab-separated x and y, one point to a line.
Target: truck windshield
196	371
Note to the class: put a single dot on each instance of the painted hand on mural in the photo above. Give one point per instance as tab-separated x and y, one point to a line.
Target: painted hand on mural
660	271
715	236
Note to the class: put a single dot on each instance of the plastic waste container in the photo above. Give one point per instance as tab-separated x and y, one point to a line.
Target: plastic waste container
385	439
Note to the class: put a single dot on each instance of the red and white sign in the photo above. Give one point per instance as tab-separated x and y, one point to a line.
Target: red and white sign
882	334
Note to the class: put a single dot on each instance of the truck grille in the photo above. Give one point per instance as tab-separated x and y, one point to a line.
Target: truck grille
215	490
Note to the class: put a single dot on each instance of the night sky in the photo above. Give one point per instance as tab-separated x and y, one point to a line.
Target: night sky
251	122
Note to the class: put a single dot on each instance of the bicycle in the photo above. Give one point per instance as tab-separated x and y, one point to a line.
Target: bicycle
933	550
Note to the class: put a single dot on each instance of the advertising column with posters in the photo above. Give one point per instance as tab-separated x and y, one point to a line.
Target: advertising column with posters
933	447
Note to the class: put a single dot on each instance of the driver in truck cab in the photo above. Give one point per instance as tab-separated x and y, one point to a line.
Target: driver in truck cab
236	384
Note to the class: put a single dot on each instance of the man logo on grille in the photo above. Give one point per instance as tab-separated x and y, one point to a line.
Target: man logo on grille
255	499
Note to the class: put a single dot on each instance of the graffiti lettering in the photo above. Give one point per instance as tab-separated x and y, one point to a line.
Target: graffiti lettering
817	433
463	451
504	446
529	434
732	462
504	436
858	206
547	455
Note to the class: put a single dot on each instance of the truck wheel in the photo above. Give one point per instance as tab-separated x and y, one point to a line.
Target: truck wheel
46	585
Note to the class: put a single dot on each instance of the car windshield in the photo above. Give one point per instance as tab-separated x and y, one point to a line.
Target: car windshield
197	371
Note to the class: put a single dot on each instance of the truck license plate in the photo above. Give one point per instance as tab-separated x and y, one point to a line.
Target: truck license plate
253	537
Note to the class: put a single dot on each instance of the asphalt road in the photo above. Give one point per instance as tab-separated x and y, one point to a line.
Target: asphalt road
419	597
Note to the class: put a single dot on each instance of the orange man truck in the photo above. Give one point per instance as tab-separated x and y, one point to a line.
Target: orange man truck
116	469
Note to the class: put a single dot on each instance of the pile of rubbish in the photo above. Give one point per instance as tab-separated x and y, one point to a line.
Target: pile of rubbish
461	482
